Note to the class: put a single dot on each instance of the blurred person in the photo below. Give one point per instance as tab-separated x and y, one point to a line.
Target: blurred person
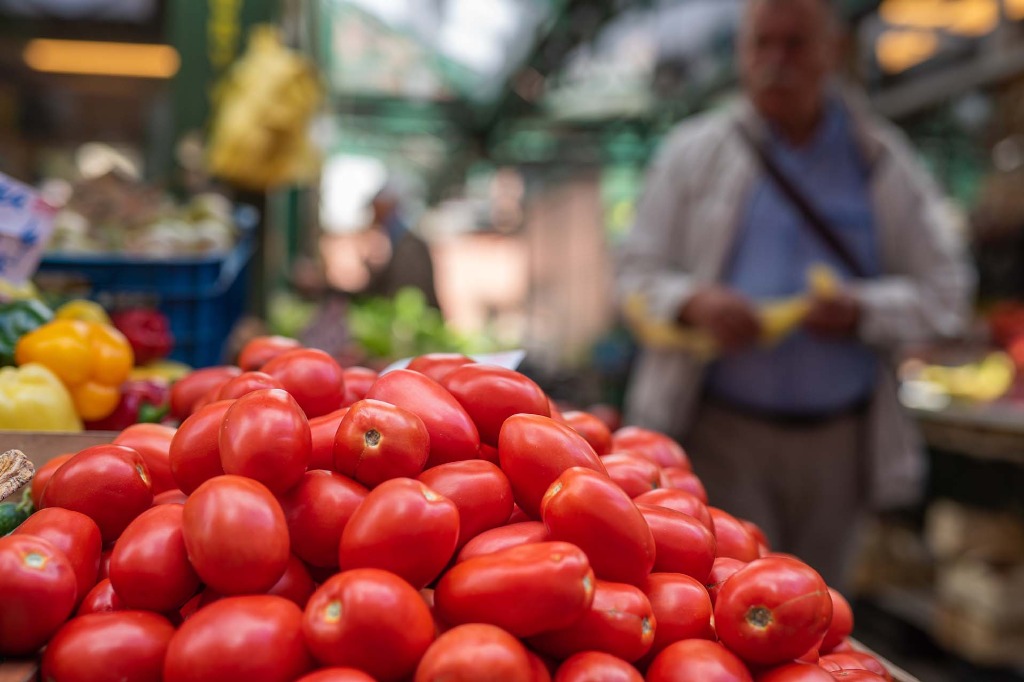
805	436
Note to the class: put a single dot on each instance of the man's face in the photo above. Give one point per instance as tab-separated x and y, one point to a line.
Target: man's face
786	53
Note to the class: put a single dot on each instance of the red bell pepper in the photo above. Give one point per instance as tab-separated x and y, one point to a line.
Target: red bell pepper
148	331
142	401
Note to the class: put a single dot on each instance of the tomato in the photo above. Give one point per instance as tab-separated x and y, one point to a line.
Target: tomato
265	436
525	589
37	590
539	667
556	412
491	394
357	382
721	570
842	622
149	568
317	510
236	535
74	534
480	491
682	609
609	415
634	474
438	365
759	536
245	383
453	435
174	496
322	431
336	675
371	620
534	451
312	377
587	509
856	676
511	535
185	393
655	446
683	544
593	429
681	501
295	585
795	672
404	527
376	441
683	479
100	599
475	652
153	442
853	660
42	476
262	349
772	610
489	453
195	448
108	483
591	666
256	638
697	659
122	645
104	571
734	541
619	622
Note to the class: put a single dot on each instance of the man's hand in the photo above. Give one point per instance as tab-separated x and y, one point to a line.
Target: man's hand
833	317
725	314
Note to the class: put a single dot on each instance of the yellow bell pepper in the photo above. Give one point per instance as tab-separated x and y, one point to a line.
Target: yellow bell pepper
91	359
84	310
165	370
32	398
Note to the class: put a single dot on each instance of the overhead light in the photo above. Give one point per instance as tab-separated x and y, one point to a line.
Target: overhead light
972	18
897	51
131	60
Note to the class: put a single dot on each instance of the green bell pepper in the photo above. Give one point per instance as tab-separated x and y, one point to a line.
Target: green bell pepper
18	318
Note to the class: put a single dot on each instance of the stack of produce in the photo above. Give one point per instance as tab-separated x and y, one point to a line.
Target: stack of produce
440	522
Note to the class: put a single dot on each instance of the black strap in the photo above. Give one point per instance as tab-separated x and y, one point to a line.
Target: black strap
812	218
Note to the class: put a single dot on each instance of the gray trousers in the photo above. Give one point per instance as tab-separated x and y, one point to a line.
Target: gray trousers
800	484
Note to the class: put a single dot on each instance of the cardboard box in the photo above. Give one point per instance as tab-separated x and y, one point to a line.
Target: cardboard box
42	446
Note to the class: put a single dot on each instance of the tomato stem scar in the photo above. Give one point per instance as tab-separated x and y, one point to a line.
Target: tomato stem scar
371	437
759	616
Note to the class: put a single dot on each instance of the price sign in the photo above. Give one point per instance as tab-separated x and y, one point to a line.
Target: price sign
26	223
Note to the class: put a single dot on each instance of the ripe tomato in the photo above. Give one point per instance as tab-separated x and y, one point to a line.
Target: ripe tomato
371	620
856	676
295	585
245	383
556	411
734	541
322	431
587	509
683	479
697	659
842	622
336	675
104	571
772	610
317	510
489	454
357	382
492	394
262	349
721	570
475	652
149	568
122	645
195	447
256	638
534	451
682	609
681	501
153	442
453	435
74	534
185	393
438	365
596	665
795	672
404	527
108	483
525	589
853	660
480	491
42	476
174	496
377	441
619	622
655	446
590	427
265	437
634	474
236	535
489	541
37	590
759	536
312	377
101	599
683	544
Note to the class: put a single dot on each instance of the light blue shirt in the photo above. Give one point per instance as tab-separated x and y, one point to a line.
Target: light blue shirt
803	375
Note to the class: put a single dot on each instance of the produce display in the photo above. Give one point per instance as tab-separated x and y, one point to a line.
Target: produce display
314	523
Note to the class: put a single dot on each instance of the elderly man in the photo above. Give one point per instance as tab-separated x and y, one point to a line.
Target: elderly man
801	436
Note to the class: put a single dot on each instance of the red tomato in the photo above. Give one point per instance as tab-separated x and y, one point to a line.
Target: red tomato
619	622
842	622
104	571
853	660
37	590
609	415
266	437
122	645
256	638
186	392
245	383
74	534
534	451
295	585
262	349
525	589
634	474
587	509
697	659
195	448
682	609
593	429
480	491
357	382
489	454
317	510
101	599
591	666
856	676
681	501
491	394
108	483
153	442
475	652
556	412
734	541
453	435
721	571
683	544
683	479
489	541
438	365
655	446
337	675
772	610
377	441
371	620
795	672
236	535
42	476
755	530
312	377
518	515
404	527
149	568
174	496
322	431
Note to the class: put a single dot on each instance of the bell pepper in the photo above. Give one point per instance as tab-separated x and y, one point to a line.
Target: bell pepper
167	371
18	318
141	402
149	332
92	360
82	309
32	398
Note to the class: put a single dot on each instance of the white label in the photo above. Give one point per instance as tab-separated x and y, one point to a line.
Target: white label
26	224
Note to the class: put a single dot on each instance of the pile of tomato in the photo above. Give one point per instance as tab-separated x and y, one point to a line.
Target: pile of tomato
441	522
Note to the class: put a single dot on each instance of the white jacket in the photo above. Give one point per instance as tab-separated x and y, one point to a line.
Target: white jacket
686	223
